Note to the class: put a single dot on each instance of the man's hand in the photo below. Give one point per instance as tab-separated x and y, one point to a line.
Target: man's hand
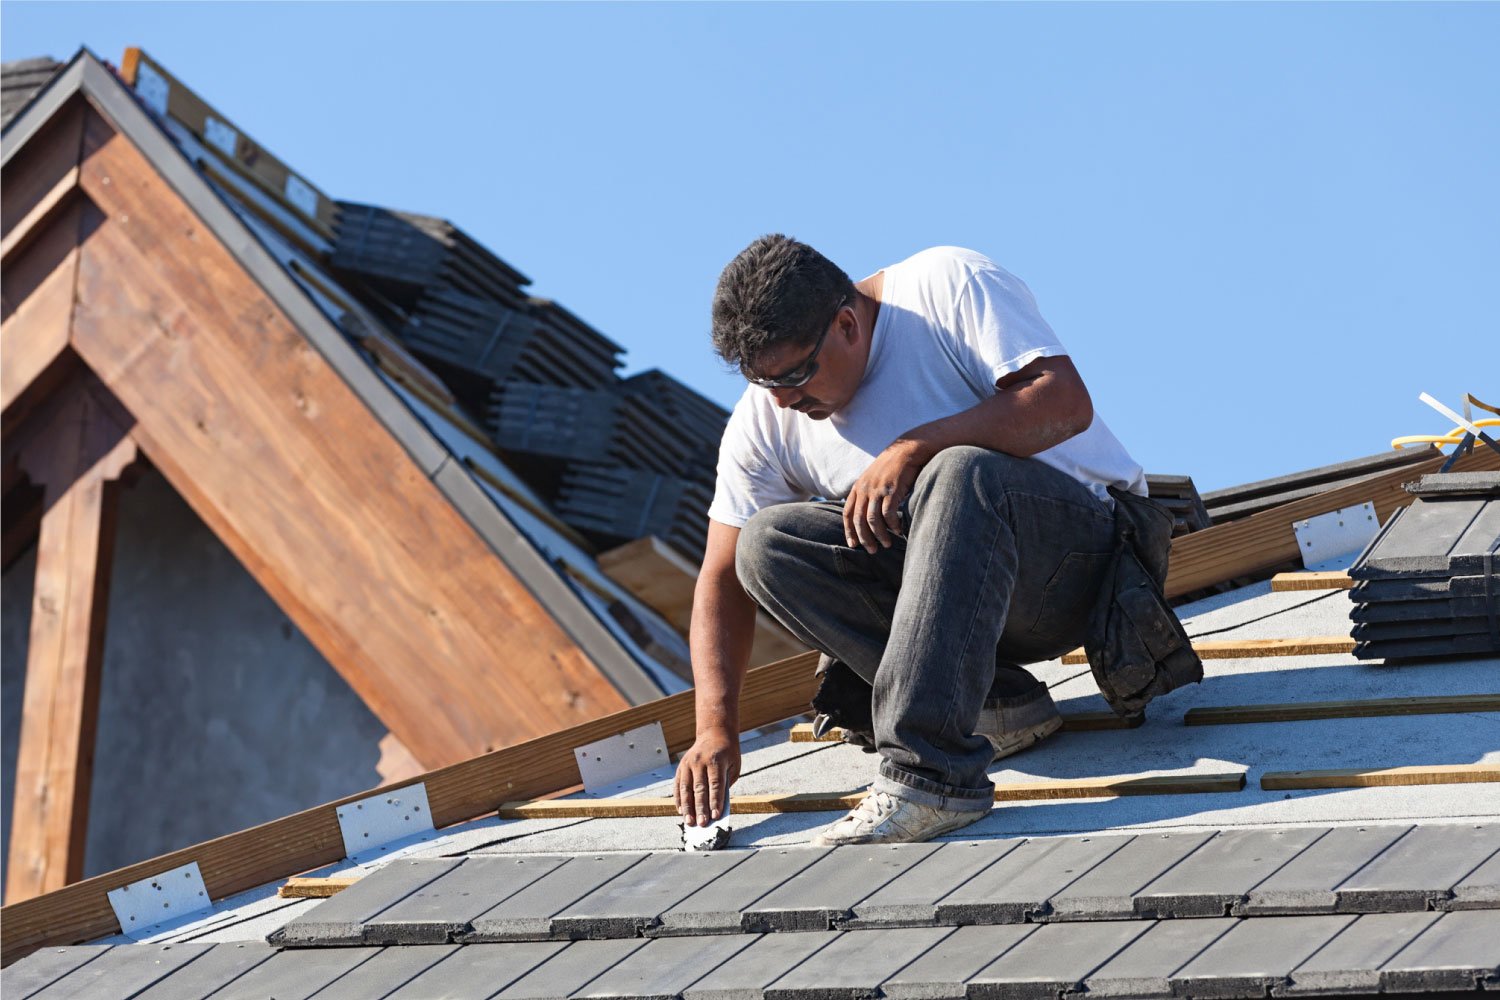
872	511
704	775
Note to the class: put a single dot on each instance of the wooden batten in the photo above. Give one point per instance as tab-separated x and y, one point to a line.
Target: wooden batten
248	422
76	450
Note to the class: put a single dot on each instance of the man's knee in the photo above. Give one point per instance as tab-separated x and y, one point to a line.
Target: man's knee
966	469
761	539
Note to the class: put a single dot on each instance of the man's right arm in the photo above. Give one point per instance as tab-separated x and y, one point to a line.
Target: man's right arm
722	630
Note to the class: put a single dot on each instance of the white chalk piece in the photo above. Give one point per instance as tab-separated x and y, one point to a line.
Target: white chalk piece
712	837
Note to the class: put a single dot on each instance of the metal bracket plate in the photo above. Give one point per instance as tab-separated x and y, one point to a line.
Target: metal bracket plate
1335	535
620	763
382	822
143	907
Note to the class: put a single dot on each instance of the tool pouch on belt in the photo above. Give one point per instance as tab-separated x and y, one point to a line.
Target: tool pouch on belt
1136	647
843	700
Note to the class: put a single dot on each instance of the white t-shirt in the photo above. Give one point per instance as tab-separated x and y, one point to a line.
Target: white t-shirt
951	324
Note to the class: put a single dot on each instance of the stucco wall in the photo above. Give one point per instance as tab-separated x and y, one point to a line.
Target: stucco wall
215	712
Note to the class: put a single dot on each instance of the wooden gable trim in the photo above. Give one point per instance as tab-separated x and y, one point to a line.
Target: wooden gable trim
273	450
77	450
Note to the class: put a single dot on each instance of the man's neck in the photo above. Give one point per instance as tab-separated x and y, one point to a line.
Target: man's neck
868	306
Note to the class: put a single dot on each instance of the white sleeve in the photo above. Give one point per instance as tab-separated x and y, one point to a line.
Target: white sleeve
749	479
1001	325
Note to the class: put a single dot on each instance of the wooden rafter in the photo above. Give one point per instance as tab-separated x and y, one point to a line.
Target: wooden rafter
76	450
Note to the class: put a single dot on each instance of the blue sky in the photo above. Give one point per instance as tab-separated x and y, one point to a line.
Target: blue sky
1261	230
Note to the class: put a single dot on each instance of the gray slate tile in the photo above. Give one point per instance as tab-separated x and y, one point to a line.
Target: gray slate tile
570	969
1351	961
1054	960
1480	889
1458	952
629	904
1218	875
295	974
340	919
1019	884
769	957
823	893
853	966
911	898
719	906
47	965
122	972
1419	870
527	915
223	964
1108	890
1256	955
477	971
667	966
441	910
391	968
1306	883
1145	967
943	972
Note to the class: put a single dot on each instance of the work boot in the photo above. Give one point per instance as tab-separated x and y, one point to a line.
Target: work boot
883	818
1011	728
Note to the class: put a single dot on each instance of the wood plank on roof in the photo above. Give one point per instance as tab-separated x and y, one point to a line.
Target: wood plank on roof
1376	777
1338	580
1245	649
1222	715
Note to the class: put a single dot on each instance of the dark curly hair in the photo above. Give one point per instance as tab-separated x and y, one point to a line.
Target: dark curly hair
775	291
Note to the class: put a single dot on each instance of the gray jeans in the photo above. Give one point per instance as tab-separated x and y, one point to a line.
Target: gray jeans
1000	566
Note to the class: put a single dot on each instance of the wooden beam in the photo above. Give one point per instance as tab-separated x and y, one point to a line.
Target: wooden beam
77	455
1223	715
457	793
1244	649
248	421
316	888
1282	582
1073	722
1261	541
664	582
1020	791
1426	774
37	309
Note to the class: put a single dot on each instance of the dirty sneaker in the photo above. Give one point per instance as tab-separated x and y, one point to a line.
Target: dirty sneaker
1013	728
883	818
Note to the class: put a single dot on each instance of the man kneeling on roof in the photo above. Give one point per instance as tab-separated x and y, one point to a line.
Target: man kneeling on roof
915	483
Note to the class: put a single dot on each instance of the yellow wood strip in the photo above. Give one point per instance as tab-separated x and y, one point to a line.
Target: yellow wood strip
315	888
1427	774
1057	788
21	233
1218	715
1311	581
1073	722
1244	649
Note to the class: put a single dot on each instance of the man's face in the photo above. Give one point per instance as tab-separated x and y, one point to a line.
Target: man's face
838	372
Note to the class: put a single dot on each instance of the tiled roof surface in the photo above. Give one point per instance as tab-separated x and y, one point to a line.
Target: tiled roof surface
1227	894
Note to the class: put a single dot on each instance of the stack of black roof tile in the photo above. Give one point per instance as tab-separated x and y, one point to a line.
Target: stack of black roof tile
617	458
1427	585
21	81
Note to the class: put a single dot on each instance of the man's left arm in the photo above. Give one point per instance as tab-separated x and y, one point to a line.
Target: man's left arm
1033	409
